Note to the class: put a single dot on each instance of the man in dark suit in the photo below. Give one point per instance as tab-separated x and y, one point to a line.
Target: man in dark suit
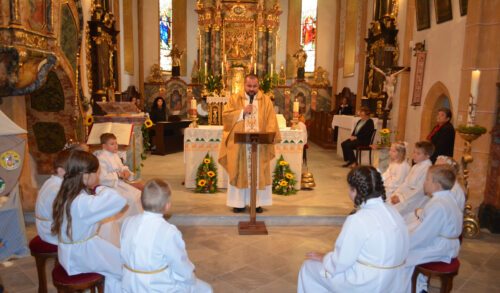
442	135
344	108
361	135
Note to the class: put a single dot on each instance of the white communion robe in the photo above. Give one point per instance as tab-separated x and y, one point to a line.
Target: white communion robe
436	237
155	257
395	175
240	197
413	220
411	192
87	252
111	164
369	254
43	208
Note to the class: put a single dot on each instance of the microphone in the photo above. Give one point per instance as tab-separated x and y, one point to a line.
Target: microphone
251	98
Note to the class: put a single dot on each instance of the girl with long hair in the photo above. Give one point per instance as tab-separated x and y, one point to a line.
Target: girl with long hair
370	252
77	212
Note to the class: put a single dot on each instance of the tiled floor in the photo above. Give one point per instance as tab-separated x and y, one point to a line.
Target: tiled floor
234	263
309	220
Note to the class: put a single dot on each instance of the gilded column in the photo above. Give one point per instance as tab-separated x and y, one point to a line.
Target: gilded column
14	12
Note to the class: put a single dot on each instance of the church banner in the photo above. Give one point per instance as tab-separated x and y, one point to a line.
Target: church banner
419	78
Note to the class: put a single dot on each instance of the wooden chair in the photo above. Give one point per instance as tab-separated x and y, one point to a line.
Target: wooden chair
360	149
446	272
76	283
42	251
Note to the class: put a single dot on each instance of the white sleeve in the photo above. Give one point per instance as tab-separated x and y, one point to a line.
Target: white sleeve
106	203
177	258
429	228
107	177
347	247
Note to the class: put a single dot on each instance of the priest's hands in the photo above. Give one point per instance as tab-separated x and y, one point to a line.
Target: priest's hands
248	109
314	255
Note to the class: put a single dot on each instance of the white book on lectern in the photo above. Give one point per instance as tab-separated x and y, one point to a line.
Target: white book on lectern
122	131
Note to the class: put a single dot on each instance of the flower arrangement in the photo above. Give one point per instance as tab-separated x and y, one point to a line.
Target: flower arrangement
268	82
283	178
475	129
148	123
214	83
385	137
206	176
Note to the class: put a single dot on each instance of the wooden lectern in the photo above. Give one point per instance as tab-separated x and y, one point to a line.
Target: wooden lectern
253	227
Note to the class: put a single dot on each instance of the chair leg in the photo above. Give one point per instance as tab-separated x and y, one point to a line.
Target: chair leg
446	284
414	281
42	277
358	157
100	287
370	156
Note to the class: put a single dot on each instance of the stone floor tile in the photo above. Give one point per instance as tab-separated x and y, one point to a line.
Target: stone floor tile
247	278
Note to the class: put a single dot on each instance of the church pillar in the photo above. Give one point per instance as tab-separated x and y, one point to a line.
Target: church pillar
270	50
207	47
217	53
261	52
481	47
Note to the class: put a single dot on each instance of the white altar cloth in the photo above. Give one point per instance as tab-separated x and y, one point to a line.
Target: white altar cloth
199	141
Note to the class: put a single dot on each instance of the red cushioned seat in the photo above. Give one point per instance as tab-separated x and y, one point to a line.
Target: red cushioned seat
442	267
37	245
60	276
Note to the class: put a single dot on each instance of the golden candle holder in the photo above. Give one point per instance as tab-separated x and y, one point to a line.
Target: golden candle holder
471	227
193	116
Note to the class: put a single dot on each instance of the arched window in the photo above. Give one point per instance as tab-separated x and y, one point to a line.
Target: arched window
165	34
308	32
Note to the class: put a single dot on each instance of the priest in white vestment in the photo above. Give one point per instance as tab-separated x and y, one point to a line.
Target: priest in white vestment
369	253
248	111
436	238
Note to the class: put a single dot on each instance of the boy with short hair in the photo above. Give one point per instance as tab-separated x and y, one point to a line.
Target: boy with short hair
112	174
436	238
153	252
46	196
410	195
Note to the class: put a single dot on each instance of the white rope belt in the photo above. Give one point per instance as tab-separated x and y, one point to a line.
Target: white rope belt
145	272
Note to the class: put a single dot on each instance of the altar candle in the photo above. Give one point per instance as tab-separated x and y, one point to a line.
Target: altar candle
222	68
206	68
272	68
255	68
225	57
474	85
193	104
296	106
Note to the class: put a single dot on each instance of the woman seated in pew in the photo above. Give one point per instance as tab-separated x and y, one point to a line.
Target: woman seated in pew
371	249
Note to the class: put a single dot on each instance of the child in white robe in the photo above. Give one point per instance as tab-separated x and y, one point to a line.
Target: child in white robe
46	196
113	172
410	195
398	169
371	249
152	250
437	236
76	217
414	219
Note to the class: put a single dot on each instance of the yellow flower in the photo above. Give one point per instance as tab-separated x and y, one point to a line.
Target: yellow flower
283	183
202	182
148	123
89	120
385	131
211	173
289	175
206	161
283	163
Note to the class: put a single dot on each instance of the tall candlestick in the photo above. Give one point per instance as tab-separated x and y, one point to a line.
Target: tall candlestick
296	106
193	104
474	85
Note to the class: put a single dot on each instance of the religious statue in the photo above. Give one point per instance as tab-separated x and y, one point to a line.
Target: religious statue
389	83
282	76
321	77
176	56
155	74
300	61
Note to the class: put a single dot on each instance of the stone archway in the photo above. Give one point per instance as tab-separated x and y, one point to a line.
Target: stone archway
438	96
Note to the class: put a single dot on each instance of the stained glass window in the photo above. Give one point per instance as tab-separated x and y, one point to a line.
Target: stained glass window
308	32
165	34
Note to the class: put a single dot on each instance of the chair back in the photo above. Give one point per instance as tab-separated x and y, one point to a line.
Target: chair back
374	132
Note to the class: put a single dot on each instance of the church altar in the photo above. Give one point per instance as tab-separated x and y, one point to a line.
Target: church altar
346	124
199	141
